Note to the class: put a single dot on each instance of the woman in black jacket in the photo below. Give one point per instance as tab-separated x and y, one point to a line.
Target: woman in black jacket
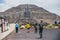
41	28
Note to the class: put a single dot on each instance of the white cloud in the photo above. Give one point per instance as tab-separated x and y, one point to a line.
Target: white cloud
3	7
16	2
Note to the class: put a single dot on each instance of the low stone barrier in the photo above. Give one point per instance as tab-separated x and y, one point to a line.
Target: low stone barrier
6	33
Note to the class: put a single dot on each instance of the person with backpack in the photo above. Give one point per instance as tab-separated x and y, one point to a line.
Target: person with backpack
28	26
41	28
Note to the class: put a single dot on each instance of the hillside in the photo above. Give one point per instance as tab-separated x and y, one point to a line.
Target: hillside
36	12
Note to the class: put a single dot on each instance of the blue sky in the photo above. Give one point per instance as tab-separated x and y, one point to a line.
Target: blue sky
50	5
1	1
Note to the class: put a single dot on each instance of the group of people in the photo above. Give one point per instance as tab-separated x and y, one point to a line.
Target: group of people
41	24
4	25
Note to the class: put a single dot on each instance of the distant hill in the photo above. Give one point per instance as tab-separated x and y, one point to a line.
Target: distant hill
36	12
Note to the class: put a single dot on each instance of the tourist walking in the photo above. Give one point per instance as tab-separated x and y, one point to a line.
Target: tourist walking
35	27
41	28
28	26
17	26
